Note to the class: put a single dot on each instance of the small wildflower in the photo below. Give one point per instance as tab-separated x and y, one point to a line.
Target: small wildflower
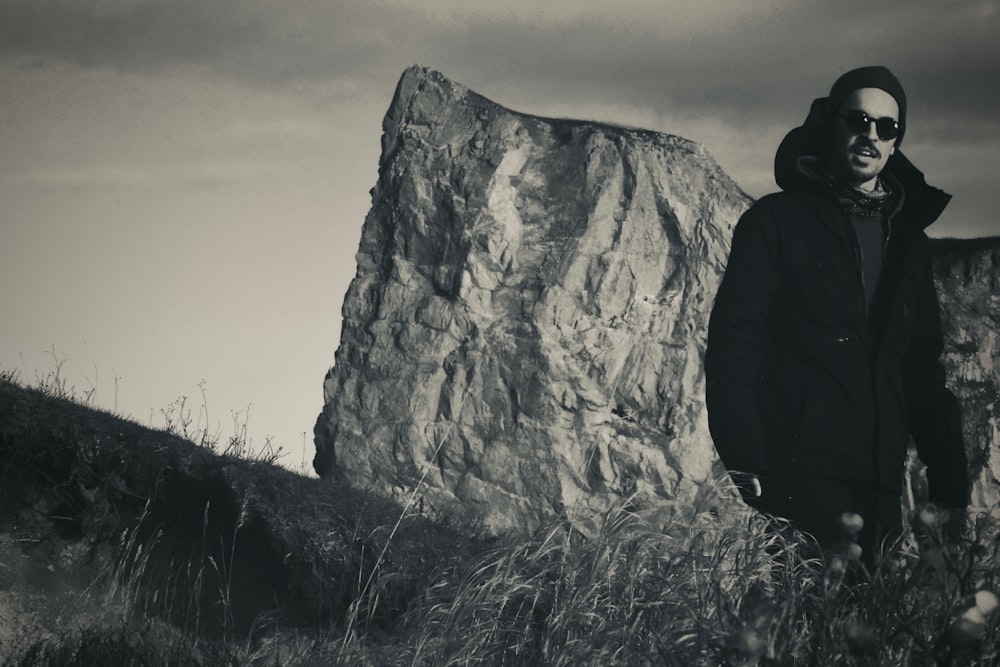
763	616
975	615
986	602
928	517
967	630
854	552
851	523
747	642
861	639
837	565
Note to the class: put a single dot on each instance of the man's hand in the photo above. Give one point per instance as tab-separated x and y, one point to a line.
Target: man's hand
748	485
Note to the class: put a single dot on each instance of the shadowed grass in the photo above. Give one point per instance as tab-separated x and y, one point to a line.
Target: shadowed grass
218	547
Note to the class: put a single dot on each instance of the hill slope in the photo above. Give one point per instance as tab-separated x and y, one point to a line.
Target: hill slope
101	516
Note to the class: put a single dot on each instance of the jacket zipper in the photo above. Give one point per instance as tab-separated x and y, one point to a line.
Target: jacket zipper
888	235
859	254
859	260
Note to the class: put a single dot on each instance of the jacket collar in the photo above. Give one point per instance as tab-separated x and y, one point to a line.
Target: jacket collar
922	203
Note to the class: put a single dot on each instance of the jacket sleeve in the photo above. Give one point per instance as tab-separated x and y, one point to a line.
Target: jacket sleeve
933	411
737	339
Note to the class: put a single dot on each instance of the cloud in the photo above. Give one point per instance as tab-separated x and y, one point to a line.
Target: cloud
251	40
750	71
721	53
738	67
747	64
130	177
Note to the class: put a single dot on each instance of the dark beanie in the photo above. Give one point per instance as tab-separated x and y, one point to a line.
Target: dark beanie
875	76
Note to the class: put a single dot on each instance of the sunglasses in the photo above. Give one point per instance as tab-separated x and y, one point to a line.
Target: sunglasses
858	122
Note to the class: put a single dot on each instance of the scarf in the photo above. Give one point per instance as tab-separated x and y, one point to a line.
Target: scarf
864	204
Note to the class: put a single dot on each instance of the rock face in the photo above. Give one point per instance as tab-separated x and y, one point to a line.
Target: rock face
967	274
525	331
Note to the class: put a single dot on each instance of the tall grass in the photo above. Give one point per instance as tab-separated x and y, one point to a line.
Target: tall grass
177	420
693	588
703	590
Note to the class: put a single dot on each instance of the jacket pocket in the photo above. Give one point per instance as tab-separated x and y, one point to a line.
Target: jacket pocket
782	404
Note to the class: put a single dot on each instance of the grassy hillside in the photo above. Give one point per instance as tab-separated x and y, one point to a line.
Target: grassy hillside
125	545
129	523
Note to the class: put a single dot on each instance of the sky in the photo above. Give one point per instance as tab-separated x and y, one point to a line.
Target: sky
183	183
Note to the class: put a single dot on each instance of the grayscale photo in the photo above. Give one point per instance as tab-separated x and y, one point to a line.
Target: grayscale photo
439	333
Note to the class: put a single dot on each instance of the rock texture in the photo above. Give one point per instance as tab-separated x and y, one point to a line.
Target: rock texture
967	273
525	331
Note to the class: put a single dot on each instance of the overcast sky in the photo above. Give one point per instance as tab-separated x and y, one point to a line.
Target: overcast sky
183	183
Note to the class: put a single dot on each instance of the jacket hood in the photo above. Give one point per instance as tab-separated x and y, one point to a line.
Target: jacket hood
922	201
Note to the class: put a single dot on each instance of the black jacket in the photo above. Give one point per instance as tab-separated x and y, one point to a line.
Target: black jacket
801	379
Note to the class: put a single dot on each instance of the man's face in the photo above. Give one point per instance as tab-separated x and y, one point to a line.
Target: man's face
861	157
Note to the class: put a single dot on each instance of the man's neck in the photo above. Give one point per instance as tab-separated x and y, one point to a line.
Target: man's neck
868	188
872	187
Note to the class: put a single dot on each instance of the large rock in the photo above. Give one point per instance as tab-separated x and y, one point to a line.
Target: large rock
525	332
967	273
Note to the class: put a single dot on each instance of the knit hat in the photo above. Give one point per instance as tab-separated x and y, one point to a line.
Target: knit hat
874	76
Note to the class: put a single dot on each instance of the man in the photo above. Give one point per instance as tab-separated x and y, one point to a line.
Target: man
824	341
